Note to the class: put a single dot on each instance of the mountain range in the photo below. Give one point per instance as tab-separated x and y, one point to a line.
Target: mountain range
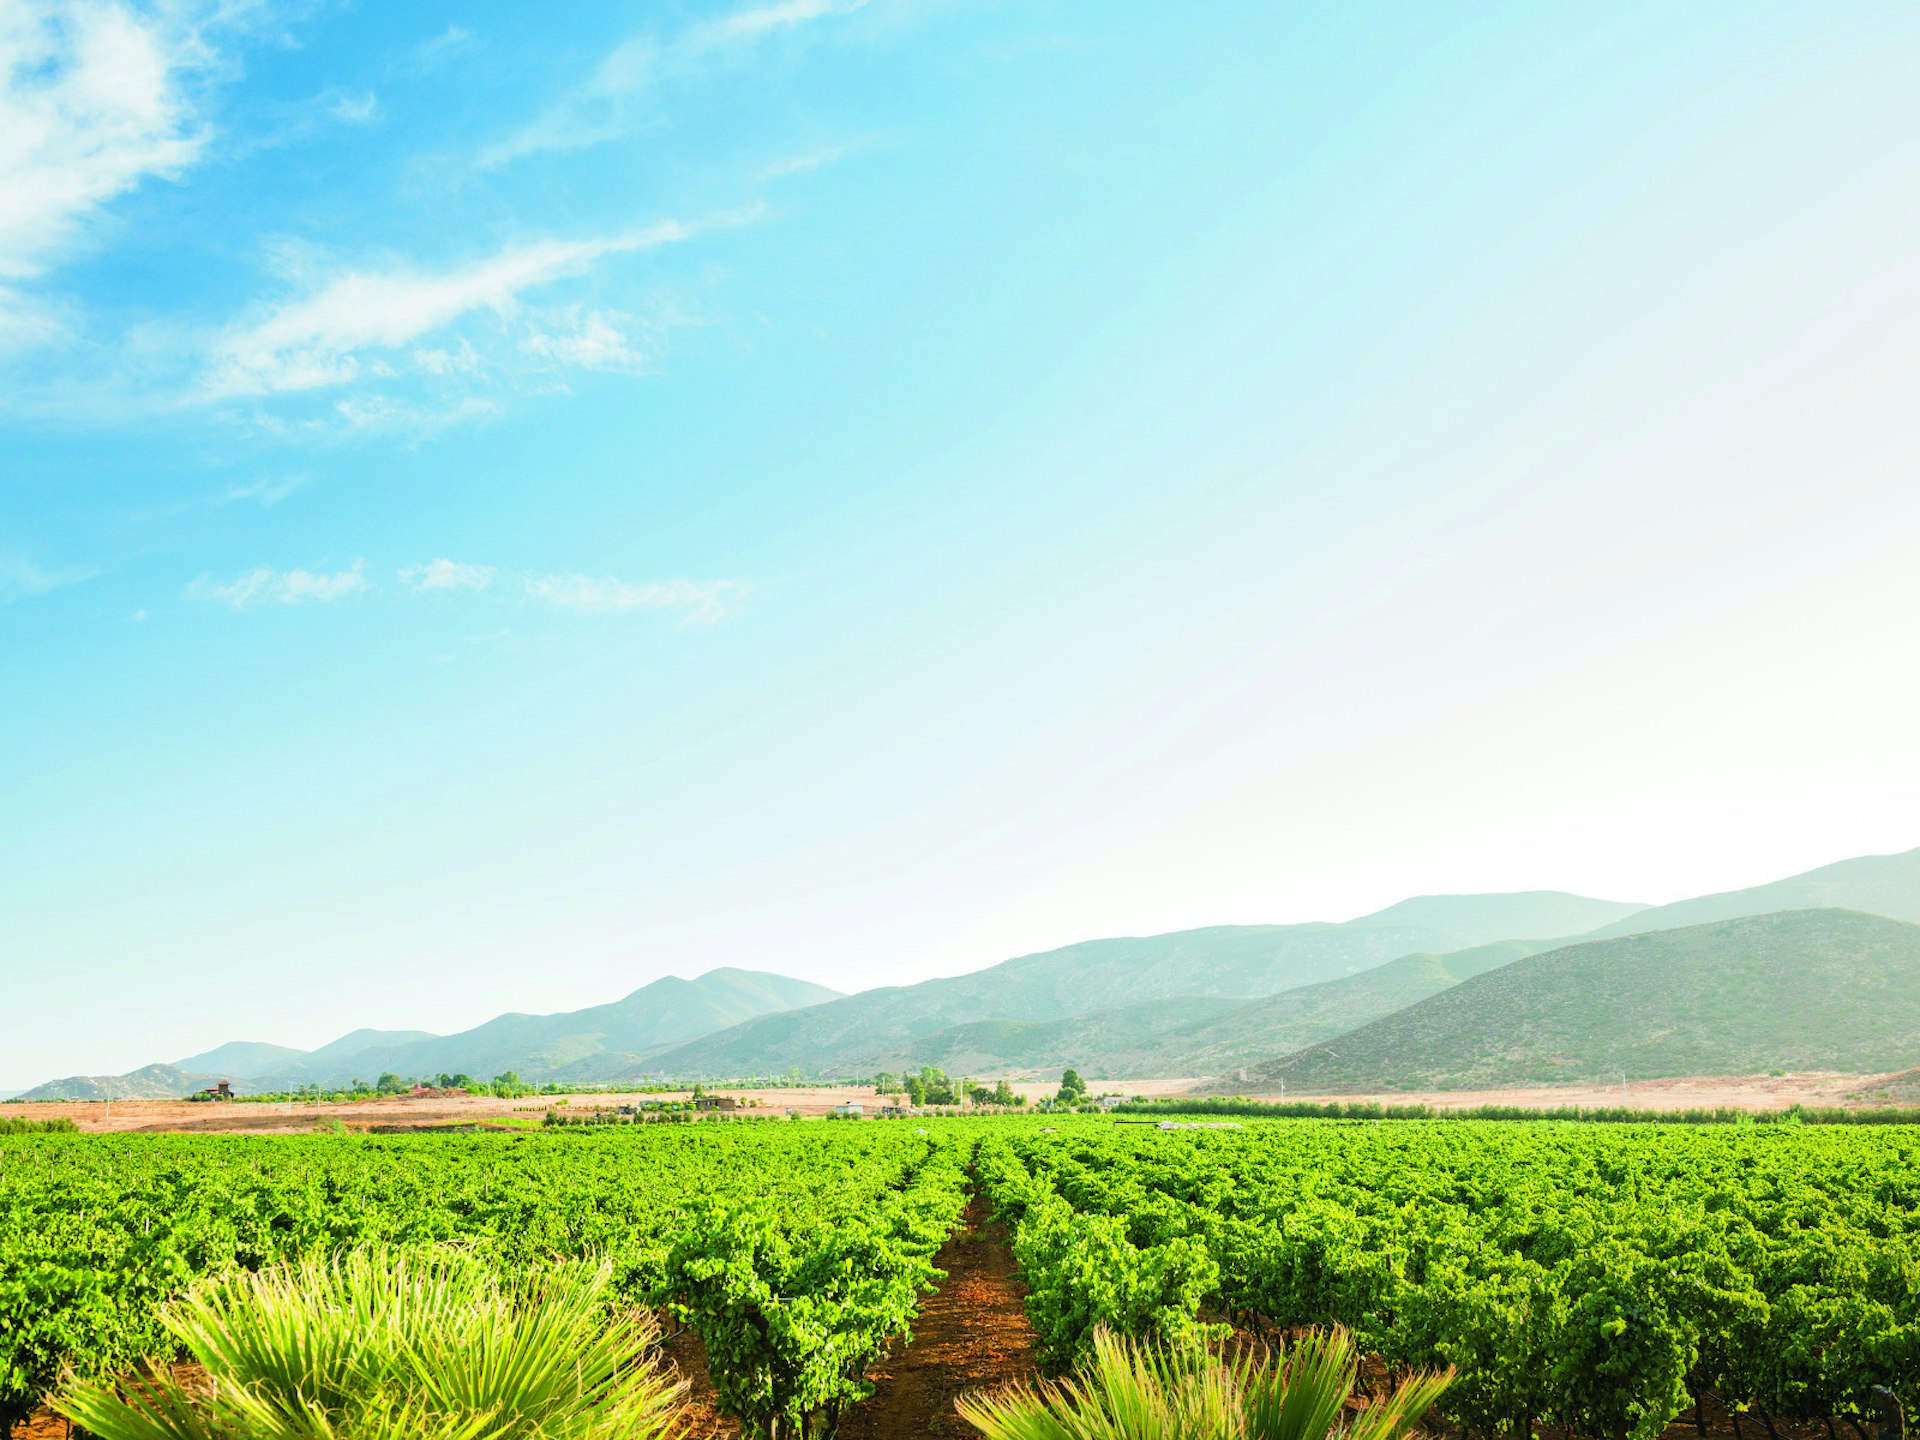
1798	990
600	1042
1485	980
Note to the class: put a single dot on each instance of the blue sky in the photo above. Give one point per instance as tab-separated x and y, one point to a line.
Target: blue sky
498	503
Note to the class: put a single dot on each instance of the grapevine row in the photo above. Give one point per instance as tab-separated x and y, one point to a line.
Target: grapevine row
1598	1281
797	1252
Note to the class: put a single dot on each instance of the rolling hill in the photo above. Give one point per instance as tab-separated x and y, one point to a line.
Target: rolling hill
1189	1035
602	1041
150	1082
242	1059
1145	991
1482	919
1886	885
1802	990
1211	1001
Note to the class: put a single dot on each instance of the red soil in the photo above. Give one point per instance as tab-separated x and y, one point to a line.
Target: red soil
971	1334
702	1419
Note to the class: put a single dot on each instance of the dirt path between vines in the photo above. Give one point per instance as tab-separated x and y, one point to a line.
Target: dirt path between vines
972	1334
702	1420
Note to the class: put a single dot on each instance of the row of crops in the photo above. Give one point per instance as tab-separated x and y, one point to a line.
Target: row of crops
798	1252
1597	1278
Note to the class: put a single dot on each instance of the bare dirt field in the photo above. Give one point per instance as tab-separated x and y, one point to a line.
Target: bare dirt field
1749	1092
256	1118
1743	1092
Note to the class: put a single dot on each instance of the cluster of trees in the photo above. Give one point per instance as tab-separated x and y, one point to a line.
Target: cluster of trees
508	1086
930	1085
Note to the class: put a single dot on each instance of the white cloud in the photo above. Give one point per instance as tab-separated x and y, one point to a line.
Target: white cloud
699	600
264	586
612	100
335	333
595	340
447	575
27	322
598	109
383	414
747	25
354	109
91	104
265	490
804	161
429	55
22	578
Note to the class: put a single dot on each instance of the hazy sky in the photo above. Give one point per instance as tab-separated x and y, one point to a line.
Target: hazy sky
502	502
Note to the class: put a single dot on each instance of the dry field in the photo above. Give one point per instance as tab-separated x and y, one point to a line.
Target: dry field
1745	1092
1753	1092
246	1117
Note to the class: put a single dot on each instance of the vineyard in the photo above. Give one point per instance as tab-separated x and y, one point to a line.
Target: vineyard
1596	1278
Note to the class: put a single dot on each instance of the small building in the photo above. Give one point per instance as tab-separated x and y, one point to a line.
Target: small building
716	1102
1107	1102
853	1109
221	1091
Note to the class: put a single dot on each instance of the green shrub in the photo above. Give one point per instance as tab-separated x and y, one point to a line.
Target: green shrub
1131	1391
385	1345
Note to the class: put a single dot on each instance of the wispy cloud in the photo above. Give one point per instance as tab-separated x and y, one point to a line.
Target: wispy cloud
699	601
695	602
762	20
354	107
91	103
609	340
430	54
804	161
378	414
446	575
357	324
617	96
598	109
22	578
264	490
266	586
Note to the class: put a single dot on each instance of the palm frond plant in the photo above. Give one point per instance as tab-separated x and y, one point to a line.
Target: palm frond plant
385	1345
1133	1391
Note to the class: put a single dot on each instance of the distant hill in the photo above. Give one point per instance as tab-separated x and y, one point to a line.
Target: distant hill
1803	990
600	1042
152	1082
1482	919
242	1059
1211	1001
1188	1035
1875	884
360	1042
1121	990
